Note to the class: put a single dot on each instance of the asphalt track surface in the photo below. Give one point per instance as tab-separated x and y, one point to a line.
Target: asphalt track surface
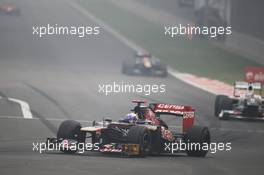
172	7
59	76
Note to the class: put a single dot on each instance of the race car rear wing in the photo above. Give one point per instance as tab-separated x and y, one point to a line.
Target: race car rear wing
245	85
186	112
242	85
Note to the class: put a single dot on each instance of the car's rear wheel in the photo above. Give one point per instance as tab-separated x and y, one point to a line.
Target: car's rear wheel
70	130
156	142
140	135
165	71
127	68
196	138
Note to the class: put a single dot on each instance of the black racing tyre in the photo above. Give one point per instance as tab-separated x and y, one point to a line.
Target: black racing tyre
127	68
156	142
225	103
165	71
196	137
140	135
70	129
217	106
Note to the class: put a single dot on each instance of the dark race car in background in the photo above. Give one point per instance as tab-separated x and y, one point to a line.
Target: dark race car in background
146	135
9	9
247	102
144	64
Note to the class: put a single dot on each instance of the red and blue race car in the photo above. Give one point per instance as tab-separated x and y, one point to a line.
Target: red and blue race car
9	9
142	132
144	64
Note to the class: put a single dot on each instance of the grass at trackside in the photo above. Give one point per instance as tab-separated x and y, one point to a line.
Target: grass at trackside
196	57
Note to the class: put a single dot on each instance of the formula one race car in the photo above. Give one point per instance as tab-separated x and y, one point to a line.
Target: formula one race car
142	132
144	64
9	9
247	103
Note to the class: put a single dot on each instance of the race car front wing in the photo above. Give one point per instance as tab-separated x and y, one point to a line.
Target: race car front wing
225	114
127	149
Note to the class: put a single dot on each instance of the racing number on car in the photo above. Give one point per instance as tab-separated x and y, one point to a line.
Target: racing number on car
188	115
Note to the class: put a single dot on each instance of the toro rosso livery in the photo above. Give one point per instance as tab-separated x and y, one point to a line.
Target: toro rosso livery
247	102
144	64
142	132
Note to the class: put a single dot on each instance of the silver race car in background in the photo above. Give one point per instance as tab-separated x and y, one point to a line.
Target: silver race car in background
247	102
144	64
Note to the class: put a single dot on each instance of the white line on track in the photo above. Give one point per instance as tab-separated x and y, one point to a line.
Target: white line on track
24	107
106	27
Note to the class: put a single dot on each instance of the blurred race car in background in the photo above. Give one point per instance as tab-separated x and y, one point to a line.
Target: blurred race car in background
247	102
141	132
9	9
144	64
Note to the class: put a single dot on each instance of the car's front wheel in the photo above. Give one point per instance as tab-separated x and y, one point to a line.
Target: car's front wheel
225	103
70	130
127	68
217	106
140	135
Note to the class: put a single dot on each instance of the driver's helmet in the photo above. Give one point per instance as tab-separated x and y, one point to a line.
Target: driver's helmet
140	114
131	118
250	91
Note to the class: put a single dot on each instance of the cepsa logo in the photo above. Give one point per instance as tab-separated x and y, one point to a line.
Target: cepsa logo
168	106
254	74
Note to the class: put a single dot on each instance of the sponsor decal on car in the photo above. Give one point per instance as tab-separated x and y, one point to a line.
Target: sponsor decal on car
254	74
